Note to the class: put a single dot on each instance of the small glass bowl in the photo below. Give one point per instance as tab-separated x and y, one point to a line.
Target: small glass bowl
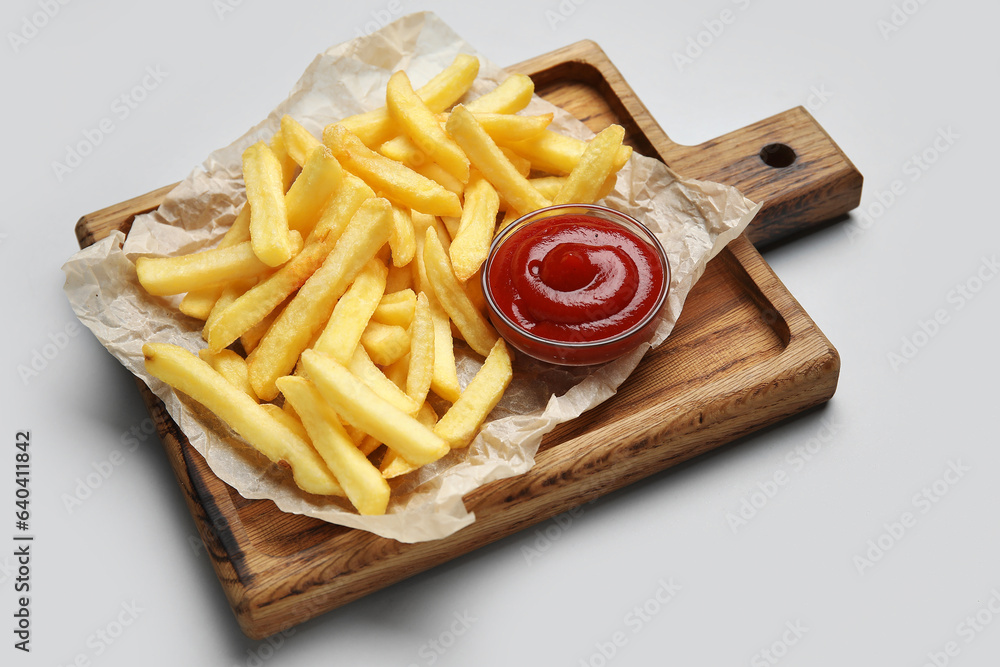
576	353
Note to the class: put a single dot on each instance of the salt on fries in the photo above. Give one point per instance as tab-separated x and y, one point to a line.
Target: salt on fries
350	276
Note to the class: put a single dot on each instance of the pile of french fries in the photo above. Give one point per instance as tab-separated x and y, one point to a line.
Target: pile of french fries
333	303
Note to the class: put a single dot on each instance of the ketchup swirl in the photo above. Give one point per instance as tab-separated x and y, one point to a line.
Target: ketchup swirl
575	278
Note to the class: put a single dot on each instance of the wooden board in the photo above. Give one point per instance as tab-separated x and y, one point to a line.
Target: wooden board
743	355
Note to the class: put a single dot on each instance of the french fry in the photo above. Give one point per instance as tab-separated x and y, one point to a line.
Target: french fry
341	208
390	178
363	368
251	338
385	343
162	276
231	366
512	95
266	198
401	239
444	380
505	128
351	314
198	303
421	365
358	405
522	165
289	167
252	306
362	482
397	371
421	125
394	465
447	87
288	418
230	293
396	308
190	375
402	149
309	310
474	290
471	245
595	166
487	157
460	423
470	322
549	186
400	277
307	198
298	141
557	154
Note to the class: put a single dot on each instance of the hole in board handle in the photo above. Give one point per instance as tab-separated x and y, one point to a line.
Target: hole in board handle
777	155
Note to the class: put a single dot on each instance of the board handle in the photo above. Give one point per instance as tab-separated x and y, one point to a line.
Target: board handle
786	162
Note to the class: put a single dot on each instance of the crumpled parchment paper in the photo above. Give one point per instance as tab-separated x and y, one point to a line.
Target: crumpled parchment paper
693	219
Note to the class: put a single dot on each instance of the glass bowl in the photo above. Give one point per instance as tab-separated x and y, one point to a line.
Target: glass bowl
581	349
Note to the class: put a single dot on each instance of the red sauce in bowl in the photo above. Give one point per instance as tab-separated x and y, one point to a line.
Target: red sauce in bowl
576	287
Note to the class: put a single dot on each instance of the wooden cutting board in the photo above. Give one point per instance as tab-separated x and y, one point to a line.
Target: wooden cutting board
743	355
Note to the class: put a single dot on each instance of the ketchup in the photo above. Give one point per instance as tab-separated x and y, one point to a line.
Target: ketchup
575	278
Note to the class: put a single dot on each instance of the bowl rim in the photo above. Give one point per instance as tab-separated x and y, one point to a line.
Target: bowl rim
546	214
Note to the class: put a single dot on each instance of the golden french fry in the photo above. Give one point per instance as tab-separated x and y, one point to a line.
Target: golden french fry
288	418
231	366
341	208
474	290
505	128
351	314
512	95
363	368
421	125
389	178
444	381
421	366
557	154
398	370
190	375
522	165
401	239
385	343
362	482
394	465
402	149
230	293
595	166
549	186
420	224
358	405
396	308
460	423
307	198
266	198
289	167
251	338
400	278
448	291
198	302
161	276
447	87
253	305
487	157
471	244
298	141
309	310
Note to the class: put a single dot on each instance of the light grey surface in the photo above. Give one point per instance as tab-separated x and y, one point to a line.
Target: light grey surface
788	581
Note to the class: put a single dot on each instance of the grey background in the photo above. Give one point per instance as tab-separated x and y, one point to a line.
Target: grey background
788	581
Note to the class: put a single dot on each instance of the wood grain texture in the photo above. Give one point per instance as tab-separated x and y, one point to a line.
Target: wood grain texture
743	355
